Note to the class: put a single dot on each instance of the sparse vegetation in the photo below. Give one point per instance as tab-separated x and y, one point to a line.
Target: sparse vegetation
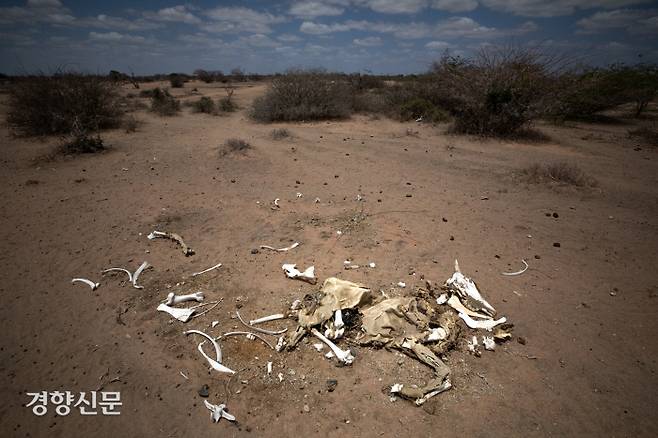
163	103
130	124
422	109
204	105
280	134
176	80
648	135
303	95
559	172
226	104
234	145
64	104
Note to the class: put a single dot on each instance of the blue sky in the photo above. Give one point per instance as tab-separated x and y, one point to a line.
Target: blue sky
381	36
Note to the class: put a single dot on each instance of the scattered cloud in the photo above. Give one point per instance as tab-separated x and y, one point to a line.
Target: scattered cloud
368	41
634	20
437	45
116	37
237	19
554	8
316	8
178	13
455	5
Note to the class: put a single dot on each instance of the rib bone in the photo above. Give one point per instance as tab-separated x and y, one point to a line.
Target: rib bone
89	283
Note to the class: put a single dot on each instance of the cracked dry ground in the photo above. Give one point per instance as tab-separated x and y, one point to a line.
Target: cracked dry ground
586	309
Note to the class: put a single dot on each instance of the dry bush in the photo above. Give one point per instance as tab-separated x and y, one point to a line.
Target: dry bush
176	81
82	143
130	124
497	92
163	103
62	104
204	105
235	145
560	172
280	134
303	95
422	110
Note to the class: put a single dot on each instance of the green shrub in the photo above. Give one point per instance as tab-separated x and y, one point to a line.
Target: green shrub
60	104
303	95
163	103
204	105
422	109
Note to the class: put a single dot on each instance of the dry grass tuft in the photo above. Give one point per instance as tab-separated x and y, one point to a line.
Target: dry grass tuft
560	172
235	146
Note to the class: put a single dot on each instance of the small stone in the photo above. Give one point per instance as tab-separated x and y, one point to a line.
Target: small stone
555	215
203	392
307	408
254	251
232	180
537	256
556	244
331	384
408	195
521	340
452	237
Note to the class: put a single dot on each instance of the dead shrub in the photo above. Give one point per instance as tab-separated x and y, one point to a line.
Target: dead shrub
176	81
83	144
303	95
280	134
163	103
130	124
559	172
235	145
496	93
44	105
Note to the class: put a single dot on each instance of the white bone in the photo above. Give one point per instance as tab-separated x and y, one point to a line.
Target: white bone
280	376
402	284
372	264
348	265
296	305
460	308
214	324
154	234
299	195
437	334
287	248
318	346
329	354
317	200
130	274
281	342
217	412
258	329
335	329
343	356
89	283
269	368
486	324
465	286
442	299
215	364
173	299
509	274
276	203
308	275
267	318
444	387
182	315
139	270
183	374
489	343
396	388
473	344
206	270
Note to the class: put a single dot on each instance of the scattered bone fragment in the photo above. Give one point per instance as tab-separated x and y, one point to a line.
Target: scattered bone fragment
344	356
269	368
206	270
267	318
402	284
372	265
89	283
349	265
172	236
214	324
137	273
280	376
437	334
308	275
287	248
460	308
489	343
329	355
258	329
468	292
296	305
442	299
183	374
317	200
275	205
180	314
510	274
444	387
318	346
280	344
173	299
299	195
217	412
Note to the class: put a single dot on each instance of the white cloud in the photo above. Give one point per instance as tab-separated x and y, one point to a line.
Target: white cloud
370	41
109	22
258	40
455	5
116	37
178	13
437	45
315	8
321	28
544	8
239	19
394	6
288	38
635	20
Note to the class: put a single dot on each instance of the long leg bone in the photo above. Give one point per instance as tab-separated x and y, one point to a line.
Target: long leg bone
173	299
207	270
89	283
258	329
486	324
267	318
343	356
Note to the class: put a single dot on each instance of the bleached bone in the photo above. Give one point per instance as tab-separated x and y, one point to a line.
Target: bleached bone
215	364
318	346
335	329
486	324
258	329
446	385
473	344
437	334
276	204
137	273
372	265
267	318
183	374
172	236
396	388
308	275
269	368
343	356
280	343
299	195
348	265
489	343
442	299
460	308
206	270
402	284
296	305
173	299
280	376
329	354
182	315
214	324
466	288
249	335
217	412
287	248
509	274
89	283
130	274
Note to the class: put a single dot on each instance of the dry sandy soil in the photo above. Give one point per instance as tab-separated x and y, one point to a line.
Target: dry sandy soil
586	309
